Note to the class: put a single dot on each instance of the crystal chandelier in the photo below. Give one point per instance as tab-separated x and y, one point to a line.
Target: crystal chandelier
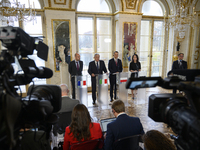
183	17
14	11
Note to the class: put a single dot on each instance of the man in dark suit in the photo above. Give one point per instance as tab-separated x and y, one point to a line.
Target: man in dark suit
75	68
179	64
67	103
96	67
123	126
114	66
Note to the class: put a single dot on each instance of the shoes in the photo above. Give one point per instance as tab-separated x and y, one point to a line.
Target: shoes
111	100
115	98
93	103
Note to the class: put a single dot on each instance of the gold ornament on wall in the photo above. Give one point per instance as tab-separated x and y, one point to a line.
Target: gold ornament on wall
130	4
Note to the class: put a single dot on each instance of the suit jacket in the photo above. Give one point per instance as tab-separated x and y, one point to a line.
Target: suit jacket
93	68
73	70
123	126
112	66
68	104
175	65
95	132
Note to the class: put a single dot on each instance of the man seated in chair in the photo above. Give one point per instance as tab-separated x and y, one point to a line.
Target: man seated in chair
67	102
123	126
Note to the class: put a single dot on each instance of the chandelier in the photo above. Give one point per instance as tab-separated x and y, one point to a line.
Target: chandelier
183	17
14	11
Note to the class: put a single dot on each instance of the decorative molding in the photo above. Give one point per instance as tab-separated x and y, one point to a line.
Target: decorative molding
49	1
154	17
91	13
138	8
70	4
60	9
130	4
128	13
60	2
122	2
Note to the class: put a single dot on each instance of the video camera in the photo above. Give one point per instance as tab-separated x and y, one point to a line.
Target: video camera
42	101
181	113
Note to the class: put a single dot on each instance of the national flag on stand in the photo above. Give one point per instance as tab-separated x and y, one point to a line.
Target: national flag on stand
104	81
81	83
123	80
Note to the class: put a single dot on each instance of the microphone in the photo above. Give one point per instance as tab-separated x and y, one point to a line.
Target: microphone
39	72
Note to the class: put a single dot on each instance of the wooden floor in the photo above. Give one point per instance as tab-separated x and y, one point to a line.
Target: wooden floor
135	108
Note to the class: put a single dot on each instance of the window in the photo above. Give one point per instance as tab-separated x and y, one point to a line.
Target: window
94	32
152	34
93	6
152	8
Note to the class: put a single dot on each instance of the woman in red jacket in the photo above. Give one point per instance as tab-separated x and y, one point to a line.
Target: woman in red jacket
81	127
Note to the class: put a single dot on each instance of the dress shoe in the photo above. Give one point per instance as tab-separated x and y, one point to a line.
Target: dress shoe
93	103
111	100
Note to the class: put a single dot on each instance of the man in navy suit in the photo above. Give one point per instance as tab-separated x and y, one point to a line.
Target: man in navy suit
75	68
123	126
96	67
180	63
114	66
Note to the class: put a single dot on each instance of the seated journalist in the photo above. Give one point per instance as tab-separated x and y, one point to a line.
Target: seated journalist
81	127
123	126
155	140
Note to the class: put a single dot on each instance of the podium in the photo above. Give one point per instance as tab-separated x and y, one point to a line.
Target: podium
81	89
102	90
123	92
140	96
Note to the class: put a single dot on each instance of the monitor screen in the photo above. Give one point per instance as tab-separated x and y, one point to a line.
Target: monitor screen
143	84
105	122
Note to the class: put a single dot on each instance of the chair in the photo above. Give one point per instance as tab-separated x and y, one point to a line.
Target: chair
88	145
64	121
128	143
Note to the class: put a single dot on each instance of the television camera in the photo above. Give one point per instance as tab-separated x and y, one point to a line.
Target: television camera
181	113
42	101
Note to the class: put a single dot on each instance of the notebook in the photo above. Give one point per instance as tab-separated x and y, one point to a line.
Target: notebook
104	123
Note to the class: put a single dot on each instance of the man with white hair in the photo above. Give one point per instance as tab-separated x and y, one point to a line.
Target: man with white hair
67	103
96	67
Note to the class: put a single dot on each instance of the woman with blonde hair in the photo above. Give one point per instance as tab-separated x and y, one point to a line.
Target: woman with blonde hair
81	127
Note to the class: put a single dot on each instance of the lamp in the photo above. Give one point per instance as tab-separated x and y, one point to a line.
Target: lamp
183	17
13	11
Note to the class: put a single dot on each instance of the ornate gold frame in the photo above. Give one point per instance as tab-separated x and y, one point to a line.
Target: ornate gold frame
133	23
59	22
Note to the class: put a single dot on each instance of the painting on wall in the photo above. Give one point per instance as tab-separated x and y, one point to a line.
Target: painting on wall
61	42
63	2
129	42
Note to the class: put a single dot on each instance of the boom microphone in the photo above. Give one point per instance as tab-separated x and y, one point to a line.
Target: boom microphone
39	72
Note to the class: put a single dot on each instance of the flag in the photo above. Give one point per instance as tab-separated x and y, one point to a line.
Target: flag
104	81
81	83
123	79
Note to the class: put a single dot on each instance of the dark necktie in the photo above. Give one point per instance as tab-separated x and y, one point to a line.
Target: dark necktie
77	66
97	67
116	62
180	65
